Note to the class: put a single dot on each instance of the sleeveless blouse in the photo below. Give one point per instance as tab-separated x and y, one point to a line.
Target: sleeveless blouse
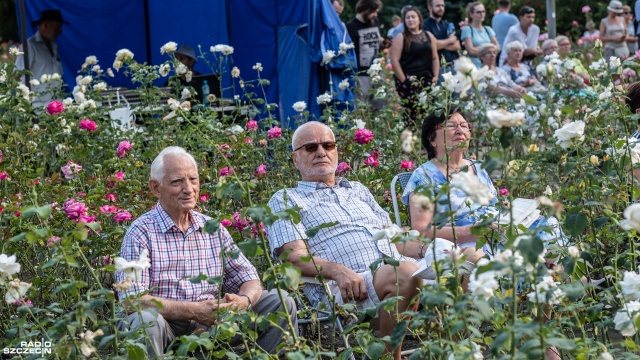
616	30
418	60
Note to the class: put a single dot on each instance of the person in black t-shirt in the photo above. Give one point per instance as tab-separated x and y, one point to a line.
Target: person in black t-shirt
364	31
415	63
446	40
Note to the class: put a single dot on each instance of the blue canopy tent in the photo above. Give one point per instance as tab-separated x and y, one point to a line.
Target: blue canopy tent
261	31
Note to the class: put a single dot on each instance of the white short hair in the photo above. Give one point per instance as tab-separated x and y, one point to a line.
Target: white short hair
157	166
514	45
301	128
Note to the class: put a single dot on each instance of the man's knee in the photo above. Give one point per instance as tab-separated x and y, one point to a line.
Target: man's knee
148	318
398	279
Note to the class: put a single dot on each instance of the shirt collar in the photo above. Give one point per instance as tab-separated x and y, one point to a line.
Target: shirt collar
38	37
166	223
313	185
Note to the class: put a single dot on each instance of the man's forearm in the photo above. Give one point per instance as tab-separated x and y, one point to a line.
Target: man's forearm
169	309
252	289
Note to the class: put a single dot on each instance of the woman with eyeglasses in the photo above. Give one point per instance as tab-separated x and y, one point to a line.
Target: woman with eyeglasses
477	34
451	215
414	58
613	32
632	40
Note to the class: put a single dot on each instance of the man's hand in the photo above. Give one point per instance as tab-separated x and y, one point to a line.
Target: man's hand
203	311
351	285
452	38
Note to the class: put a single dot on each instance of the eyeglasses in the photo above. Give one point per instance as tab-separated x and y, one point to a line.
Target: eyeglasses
626	12
565	44
313	147
451	126
480	12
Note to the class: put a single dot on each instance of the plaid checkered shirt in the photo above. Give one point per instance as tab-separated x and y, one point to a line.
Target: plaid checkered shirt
349	242
176	256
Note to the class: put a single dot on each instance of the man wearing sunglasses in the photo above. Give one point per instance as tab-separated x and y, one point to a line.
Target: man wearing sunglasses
345	251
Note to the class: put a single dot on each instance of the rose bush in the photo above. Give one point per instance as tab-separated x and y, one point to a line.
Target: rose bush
71	186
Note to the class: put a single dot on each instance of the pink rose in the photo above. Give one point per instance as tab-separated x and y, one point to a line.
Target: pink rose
371	161
239	222
88	125
108	209
119	175
123	147
122	215
0	155
74	210
224	149
504	192
388	66
248	141
225	171
3	175
363	136
342	167
406	165
586	9
574	23
55	107
53	241
204	197
110	197
256	230
274	133
252	125
261	169
71	170
1	209
86	219
225	222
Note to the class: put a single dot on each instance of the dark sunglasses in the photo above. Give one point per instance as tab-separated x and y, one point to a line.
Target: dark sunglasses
313	147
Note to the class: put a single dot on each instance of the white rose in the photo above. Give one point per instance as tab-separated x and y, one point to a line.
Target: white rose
484	285
100	86
324	98
344	84
464	65
169	48
132	270
449	82
625	318
573	252
630	286
34	82
181	69
471	185
299	106
16	290
327	56
124	54
236	129
359	123
614	62
164	69
570	132
257	67
502	118
631	218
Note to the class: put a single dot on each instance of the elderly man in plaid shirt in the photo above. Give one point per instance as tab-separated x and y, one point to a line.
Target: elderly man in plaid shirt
173	235
344	252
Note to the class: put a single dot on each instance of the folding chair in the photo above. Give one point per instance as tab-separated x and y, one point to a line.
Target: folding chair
403	178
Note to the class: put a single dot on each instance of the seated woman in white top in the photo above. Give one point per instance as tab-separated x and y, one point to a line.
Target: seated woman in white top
520	73
501	82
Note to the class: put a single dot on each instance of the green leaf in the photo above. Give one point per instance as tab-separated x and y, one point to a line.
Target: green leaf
530	247
398	333
506	136
529	99
568	109
135	353
81	234
375	350
197	279
212	226
44	211
249	247
311	232
576	223
28	212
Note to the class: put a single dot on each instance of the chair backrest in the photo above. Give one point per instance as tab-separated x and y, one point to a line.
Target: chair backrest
403	179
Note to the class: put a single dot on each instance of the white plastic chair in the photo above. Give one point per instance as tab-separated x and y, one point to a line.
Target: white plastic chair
403	178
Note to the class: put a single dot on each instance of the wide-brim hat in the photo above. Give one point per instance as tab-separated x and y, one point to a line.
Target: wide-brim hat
49	15
188	51
615	6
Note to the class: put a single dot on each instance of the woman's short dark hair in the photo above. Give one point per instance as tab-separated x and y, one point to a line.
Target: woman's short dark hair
633	97
429	127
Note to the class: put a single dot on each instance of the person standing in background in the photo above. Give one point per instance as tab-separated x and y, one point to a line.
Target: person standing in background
364	31
526	32
444	32
476	33
613	32
632	39
43	54
338	6
502	21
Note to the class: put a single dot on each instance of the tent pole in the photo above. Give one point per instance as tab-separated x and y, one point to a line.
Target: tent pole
25	43
147	26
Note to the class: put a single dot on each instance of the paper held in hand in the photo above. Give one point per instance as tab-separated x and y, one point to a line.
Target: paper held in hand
525	212
439	249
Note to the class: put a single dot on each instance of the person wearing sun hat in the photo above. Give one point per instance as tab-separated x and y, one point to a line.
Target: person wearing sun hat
43	53
613	32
